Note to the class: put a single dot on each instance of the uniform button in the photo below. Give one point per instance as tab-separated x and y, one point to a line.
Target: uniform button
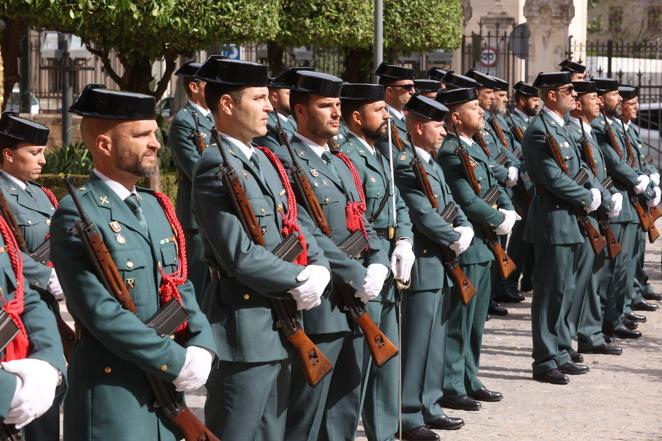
107	370
425	251
327	200
163	367
246	296
29	222
48	221
262	210
129	264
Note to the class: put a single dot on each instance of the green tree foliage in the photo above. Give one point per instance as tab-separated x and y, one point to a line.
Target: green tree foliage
141	32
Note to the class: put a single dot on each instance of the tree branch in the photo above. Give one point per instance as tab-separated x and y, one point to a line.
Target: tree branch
105	59
171	63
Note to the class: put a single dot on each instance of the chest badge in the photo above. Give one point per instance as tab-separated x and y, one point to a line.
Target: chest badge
120	239
103	200
314	172
115	226
403	157
372	179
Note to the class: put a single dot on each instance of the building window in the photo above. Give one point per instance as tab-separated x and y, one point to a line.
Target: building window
615	19
653	21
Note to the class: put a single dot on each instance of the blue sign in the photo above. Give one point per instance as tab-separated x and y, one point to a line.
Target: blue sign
231	51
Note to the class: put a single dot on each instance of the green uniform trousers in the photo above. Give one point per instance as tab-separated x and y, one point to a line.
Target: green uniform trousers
309	418
465	332
424	327
521	253
617	281
198	270
636	292
591	317
574	303
554	279
380	385
248	401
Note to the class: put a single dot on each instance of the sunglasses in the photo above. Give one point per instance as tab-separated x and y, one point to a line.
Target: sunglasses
406	87
567	90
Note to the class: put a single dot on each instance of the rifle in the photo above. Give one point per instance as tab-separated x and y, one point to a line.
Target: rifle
478	137
67	335
613	246
8	331
166	320
515	128
396	138
313	361
381	347
464	286
499	131
597	242
303	187
198	136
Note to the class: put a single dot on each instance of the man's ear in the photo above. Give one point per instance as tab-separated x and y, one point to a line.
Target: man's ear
104	144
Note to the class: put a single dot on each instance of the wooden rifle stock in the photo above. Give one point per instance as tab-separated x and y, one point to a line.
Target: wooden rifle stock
519	134
499	131
166	398
613	245
478	137
395	136
504	263
463	284
199	137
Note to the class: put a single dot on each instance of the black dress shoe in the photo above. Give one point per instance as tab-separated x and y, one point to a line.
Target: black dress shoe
607	349
484	394
496	309
623	332
526	285
652	296
571	368
635	317
460	402
420	434
445	422
630	324
575	356
553	376
643	305
608	339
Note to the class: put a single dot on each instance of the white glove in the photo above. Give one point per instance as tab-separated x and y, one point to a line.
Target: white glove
402	260
596	200
197	366
655	177
616	205
464	242
656	200
315	278
643	183
35	390
54	286
509	221
373	283
513	173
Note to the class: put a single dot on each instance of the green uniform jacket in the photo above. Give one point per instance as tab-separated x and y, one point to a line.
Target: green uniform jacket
333	194
39	324
375	175
475	208
108	396
495	147
431	231
642	147
185	153
238	305
551	219
271	140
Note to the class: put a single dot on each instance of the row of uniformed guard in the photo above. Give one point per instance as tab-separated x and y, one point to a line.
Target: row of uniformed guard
383	163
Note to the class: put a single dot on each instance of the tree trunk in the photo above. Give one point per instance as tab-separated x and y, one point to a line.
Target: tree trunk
10	44
358	65
275	57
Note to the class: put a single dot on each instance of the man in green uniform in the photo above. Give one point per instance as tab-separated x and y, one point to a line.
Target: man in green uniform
428	88
438	74
425	304
190	132
634	185
109	396
330	411
586	312
553	226
22	145
399	87
248	390
462	388
364	112
279	97
576	71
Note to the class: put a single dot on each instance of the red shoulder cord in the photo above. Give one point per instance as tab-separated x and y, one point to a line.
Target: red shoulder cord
169	282
290	224
355	210
18	348
49	194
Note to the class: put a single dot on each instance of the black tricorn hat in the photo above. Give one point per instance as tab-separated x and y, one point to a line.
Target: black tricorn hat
522	88
362	92
605	85
582	87
437	74
482	78
500	84
552	79
15	130
318	83
427	108
287	78
457	81
188	69
628	92
95	101
233	73
390	72
451	97
568	65
425	86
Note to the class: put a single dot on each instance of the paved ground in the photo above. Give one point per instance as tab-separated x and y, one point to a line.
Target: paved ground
620	399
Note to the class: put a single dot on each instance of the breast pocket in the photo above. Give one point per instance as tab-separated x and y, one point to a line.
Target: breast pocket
169	254
131	266
264	214
33	227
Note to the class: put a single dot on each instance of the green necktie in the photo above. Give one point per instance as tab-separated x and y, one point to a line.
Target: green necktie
326	156
134	205
256	164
